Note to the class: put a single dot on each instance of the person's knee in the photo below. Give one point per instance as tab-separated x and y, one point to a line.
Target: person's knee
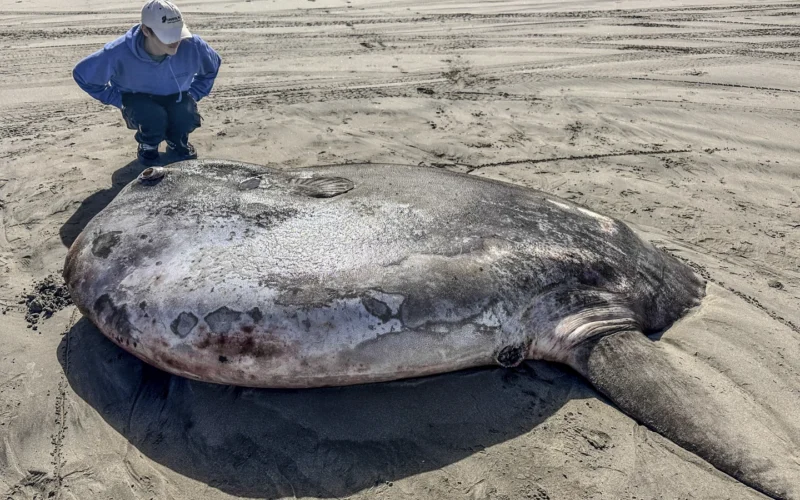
184	117
141	112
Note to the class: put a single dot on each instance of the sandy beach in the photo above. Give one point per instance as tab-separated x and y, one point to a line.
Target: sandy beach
679	118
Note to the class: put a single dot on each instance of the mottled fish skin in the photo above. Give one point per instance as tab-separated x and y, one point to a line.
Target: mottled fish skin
239	274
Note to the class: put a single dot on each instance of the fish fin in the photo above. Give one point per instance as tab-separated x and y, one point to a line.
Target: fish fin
656	388
320	187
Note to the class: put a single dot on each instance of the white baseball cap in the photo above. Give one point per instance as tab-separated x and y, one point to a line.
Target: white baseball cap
164	18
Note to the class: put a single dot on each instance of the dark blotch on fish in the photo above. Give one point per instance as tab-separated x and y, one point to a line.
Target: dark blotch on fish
377	308
255	314
114	316
183	324
102	245
221	321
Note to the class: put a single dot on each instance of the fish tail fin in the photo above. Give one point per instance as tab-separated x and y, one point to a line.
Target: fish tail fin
659	389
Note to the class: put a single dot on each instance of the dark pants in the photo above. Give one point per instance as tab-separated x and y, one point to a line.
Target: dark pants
160	117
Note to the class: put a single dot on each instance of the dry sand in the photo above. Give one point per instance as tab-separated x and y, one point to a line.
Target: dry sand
680	118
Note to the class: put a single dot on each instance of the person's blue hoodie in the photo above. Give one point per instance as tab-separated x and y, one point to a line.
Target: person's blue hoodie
124	66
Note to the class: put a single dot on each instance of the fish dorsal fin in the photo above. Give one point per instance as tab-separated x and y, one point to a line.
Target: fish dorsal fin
320	186
315	187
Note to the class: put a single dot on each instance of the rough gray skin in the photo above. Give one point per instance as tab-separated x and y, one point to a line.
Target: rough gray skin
239	274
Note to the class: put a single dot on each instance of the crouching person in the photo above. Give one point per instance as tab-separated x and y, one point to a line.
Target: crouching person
156	74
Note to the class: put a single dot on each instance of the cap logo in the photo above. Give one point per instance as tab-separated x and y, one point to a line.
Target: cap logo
170	20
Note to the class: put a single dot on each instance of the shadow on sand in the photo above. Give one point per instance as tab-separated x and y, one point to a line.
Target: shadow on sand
92	205
315	442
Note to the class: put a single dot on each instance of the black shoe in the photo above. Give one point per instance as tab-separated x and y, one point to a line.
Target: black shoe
181	152
147	154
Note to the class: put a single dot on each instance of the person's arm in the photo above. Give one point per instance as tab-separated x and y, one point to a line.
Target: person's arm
93	75
209	67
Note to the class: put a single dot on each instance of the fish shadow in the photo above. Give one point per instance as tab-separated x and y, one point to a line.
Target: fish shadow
95	203
328	442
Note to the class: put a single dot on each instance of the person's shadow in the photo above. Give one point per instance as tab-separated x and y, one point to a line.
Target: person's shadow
92	205
314	442
326	443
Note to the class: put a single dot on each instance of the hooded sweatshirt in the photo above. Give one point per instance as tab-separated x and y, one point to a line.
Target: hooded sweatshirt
124	66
